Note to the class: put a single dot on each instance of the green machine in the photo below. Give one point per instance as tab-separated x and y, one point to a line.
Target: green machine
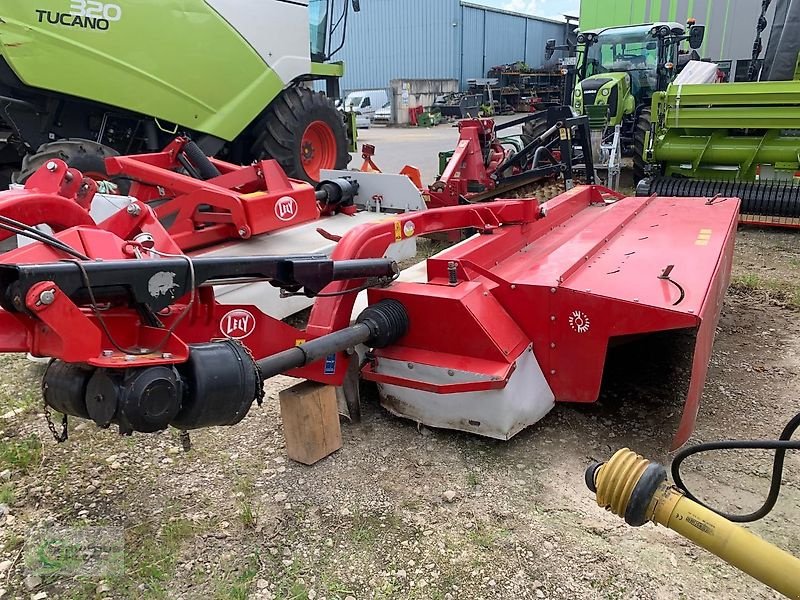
735	139
620	68
728	139
82	79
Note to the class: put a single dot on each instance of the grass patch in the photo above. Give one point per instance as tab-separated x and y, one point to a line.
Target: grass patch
52	558
473	480
7	493
150	558
20	454
289	585
779	291
248	511
486	537
13	542
365	530
236	584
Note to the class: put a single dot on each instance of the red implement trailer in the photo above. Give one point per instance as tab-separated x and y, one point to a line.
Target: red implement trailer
485	338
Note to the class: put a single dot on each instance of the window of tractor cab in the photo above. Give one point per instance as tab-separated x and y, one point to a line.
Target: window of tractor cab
622	50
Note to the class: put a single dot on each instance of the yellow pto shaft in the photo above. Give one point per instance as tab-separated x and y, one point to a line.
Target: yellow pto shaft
637	490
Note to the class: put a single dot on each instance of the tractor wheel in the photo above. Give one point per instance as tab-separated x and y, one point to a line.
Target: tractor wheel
304	132
640	131
86	156
534	128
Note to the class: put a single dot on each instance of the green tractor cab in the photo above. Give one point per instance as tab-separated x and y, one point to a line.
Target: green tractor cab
85	80
620	68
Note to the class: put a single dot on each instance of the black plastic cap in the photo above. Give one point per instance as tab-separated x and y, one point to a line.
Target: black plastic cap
589	476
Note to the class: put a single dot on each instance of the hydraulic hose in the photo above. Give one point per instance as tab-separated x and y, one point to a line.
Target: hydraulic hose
781	445
632	487
205	168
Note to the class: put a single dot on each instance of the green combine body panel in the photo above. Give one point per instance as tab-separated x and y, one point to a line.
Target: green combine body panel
86	79
730	132
144	57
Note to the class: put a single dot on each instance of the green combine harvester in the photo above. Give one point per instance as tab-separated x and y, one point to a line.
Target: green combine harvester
82	80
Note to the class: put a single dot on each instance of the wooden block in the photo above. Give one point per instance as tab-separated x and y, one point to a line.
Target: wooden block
310	422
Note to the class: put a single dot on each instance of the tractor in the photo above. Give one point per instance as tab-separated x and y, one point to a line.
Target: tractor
621	67
84	80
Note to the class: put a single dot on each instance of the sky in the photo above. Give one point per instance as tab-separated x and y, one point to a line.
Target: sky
539	8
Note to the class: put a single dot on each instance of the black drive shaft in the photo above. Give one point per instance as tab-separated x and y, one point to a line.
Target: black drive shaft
378	326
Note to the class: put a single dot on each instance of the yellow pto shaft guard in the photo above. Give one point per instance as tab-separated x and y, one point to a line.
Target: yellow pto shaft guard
632	487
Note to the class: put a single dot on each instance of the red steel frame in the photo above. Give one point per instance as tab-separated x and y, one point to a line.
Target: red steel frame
240	203
588	253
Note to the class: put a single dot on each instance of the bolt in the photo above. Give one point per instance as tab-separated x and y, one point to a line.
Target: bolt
242	232
166	355
552	317
51	166
636	300
552	371
552	344
552	290
410	365
134	210
513	286
451	372
108	353
47	297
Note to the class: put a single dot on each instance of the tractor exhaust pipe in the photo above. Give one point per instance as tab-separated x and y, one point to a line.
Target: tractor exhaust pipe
378	326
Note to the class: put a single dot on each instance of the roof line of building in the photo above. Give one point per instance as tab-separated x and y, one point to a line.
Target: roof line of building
509	12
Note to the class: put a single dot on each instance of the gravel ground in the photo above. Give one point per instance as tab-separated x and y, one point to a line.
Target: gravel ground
402	511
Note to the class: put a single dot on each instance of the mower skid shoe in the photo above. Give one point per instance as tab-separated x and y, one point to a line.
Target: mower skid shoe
496	413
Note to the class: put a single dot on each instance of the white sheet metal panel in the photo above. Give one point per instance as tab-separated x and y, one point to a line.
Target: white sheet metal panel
498	414
280	35
302	239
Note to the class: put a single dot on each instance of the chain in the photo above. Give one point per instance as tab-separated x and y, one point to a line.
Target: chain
260	393
58	437
752	70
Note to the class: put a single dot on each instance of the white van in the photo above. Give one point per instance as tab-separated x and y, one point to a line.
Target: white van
367	102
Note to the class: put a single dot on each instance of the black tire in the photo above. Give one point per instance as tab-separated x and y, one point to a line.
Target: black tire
280	132
85	155
640	132
534	128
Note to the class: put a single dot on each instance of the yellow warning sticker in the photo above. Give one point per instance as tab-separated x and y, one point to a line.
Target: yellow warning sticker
398	231
704	237
299	342
563	133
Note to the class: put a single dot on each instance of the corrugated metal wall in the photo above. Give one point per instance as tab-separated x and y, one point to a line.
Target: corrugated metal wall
494	37
730	24
437	39
409	39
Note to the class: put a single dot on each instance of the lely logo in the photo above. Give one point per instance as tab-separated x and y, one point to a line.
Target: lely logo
237	324
286	208
85	14
579	321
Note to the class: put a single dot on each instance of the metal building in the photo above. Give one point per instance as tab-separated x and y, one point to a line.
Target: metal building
438	39
730	24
